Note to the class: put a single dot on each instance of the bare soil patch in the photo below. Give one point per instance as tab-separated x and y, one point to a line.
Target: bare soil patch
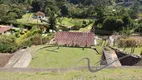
4	58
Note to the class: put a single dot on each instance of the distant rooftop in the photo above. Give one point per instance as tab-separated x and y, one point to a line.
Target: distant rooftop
39	13
4	28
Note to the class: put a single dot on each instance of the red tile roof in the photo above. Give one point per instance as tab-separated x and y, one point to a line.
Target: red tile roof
4	28
40	13
80	39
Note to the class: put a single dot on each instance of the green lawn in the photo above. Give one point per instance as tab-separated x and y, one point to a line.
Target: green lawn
65	22
27	18
66	57
86	29
106	74
70	22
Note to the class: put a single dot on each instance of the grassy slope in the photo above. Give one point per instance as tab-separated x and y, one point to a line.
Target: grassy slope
27	18
69	22
106	74
65	22
86	29
65	57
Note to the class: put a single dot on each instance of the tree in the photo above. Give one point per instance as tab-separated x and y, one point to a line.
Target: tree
52	21
102	3
112	24
29	2
135	9
127	20
64	10
6	15
9	13
45	6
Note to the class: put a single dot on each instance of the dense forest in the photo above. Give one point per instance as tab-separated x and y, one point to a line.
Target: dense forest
113	15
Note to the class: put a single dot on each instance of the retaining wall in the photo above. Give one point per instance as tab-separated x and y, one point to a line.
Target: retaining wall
4	58
20	59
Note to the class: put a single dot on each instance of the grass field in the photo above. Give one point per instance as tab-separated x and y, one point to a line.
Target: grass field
106	74
65	22
27	18
86	29
66	57
70	22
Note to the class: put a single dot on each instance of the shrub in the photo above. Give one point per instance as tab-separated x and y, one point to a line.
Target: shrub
8	44
130	42
112	24
25	43
27	35
50	36
37	39
126	31
45	40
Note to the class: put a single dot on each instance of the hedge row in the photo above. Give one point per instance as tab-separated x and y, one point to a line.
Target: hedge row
130	42
8	44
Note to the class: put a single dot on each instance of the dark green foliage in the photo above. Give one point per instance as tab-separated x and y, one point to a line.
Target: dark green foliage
9	13
139	29
46	6
126	31
94	2
8	44
79	12
52	21
25	43
64	10
112	24
127	20
135	9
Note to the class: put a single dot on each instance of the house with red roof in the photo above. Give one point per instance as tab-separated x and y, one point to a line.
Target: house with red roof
4	29
40	14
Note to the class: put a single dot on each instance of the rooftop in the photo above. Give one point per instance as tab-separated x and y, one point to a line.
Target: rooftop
4	28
